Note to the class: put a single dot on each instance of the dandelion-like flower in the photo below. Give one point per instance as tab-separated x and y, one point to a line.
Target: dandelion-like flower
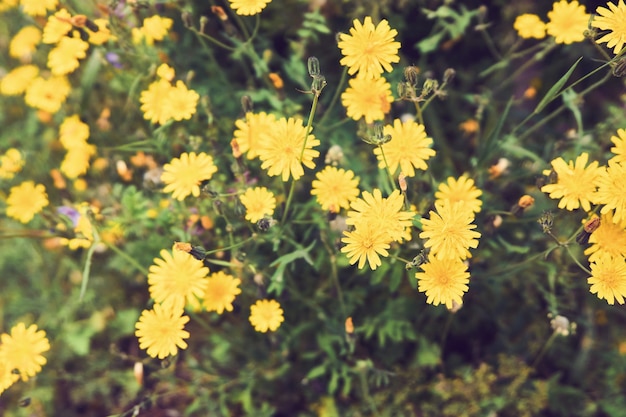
281	149
530	26
182	102
449	231
23	348
609	238
408	148
248	135
47	94
369	50
220	292
183	175
7	377
366	243
10	163
576	184
63	59
612	19
26	200
38	7
259	202
612	191
335	188
567	22
155	102
24	43
266	315
154	29
17	81
161	331
177	280
367	98
444	281
608	278
57	26
248	7
461	189
384	214
620	146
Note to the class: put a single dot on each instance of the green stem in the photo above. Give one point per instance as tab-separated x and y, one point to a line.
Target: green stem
335	97
544	349
211	39
388	170
128	258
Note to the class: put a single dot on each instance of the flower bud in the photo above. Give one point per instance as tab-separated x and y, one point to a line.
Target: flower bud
313	65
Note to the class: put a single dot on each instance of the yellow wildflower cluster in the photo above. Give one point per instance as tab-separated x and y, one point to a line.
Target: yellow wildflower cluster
567	22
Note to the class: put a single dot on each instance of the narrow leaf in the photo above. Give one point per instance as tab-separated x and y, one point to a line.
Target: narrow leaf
554	91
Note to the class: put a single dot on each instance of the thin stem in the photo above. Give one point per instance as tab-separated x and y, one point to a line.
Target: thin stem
211	39
544	349
128	258
335	97
388	170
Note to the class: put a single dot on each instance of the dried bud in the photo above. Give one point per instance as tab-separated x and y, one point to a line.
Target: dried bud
334	156
203	22
402	182
246	104
448	75
411	74
562	326
138	372
590	226
429	86
185	16
619	69
546	221
219	12
313	65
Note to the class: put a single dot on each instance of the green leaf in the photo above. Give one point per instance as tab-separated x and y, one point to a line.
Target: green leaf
554	91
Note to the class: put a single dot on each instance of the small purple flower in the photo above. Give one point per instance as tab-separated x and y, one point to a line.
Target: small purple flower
69	212
114	59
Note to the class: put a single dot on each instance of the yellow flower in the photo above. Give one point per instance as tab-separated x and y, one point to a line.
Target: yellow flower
24	43
220	292
161	331
443	281
408	148
335	188
76	161
73	135
282	149
7	4
384	214
609	238
620	146
608	278
16	81
462	189
38	7
612	19
368	98
26	200
266	315
7	377
23	349
57	26
10	163
530	26
177	280
102	35
73	132
611	191
63	59
369	50
166	72
567	22
154	29
154	102
247	137
181	102
576	184
259	202
47	94
365	243
183	175
449	231
248	7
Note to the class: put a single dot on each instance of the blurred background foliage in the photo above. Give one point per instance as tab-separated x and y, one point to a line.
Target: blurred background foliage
496	356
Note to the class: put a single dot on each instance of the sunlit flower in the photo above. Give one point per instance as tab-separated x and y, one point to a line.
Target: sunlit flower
57	26
367	98
248	7
609	238
10	163
449	231
166	72
23	348
155	102
620	146
443	281
183	175
154	29
608	278
611	191
73	132
612	19
177	280
25	42
47	94
576	184
567	22
409	148
259	202
249	132
384	214
266	315
182	102
335	188
7	4
102	35
7	377
530	26
461	189
366	243
64	58
76	160
38	7
220	292
369	50
282	149
161	331
18	80
26	200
